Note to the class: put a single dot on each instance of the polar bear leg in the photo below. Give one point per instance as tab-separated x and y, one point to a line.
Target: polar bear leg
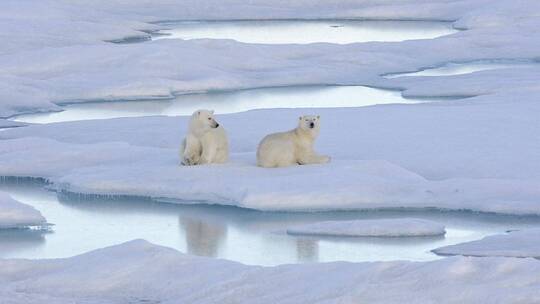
215	147
313	158
181	151
208	153
191	151
222	146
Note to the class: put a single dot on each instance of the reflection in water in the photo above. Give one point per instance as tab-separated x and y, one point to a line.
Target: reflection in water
468	67
13	240
202	238
307	250
228	102
306	31
85	223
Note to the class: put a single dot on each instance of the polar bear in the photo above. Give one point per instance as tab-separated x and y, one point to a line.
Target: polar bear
206	141
292	147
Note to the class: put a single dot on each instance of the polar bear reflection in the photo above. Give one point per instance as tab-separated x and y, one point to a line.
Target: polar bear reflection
203	238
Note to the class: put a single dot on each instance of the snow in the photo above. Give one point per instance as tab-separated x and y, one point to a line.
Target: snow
10	124
138	271
402	227
523	243
14	214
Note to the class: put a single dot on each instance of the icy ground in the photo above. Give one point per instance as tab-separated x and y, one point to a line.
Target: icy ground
14	214
139	272
524	243
413	156
401	227
49	56
480	153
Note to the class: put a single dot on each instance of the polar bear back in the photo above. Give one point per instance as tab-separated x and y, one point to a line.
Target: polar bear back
277	150
216	140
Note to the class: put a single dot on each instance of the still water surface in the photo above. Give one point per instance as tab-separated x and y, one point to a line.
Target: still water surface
246	236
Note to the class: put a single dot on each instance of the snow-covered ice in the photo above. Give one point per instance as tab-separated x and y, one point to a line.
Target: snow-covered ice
481	153
138	271
43	65
402	227
412	156
14	214
523	243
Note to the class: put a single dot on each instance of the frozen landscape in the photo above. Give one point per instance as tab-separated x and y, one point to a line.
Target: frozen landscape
429	110
139	272
519	244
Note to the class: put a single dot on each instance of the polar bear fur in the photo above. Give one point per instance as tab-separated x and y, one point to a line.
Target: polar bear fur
292	147
206	141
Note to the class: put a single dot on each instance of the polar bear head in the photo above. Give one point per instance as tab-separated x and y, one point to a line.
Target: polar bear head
309	122
203	120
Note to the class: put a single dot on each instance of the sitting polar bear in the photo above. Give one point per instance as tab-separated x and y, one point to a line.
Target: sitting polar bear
292	147
206	142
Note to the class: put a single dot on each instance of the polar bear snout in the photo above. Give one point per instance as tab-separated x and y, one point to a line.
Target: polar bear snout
213	123
311	125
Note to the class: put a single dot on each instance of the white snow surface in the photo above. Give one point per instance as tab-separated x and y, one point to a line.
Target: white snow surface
14	214
140	272
523	243
401	227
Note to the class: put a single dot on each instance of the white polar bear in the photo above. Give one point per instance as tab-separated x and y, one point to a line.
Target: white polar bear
292	147
206	141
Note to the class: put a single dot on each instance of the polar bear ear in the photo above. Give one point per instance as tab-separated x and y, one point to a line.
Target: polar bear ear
318	117
300	118
199	113
212	112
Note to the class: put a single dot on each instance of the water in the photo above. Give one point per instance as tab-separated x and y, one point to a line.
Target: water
306	31
468	67
228	102
246	236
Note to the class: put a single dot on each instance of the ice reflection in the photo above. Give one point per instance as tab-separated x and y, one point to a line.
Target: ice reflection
468	67
228	102
306	31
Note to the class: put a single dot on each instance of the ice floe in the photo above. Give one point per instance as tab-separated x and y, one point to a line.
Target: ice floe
413	156
523	243
43	65
138	271
14	214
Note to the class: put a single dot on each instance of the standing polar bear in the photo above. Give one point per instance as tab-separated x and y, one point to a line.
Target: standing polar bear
292	147
206	142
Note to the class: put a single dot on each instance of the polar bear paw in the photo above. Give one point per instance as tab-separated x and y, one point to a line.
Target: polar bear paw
190	161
